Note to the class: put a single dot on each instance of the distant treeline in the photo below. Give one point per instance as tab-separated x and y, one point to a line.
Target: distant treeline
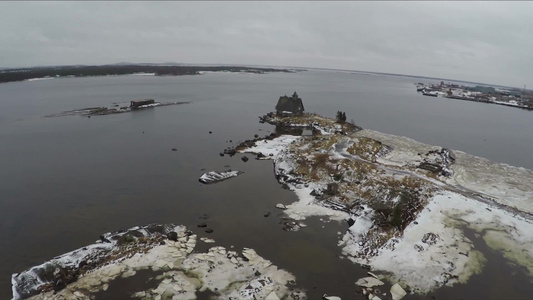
9	75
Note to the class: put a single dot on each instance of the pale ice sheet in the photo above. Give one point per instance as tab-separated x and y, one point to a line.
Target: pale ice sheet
223	272
452	258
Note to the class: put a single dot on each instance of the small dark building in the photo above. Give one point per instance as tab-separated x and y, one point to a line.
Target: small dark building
290	106
136	103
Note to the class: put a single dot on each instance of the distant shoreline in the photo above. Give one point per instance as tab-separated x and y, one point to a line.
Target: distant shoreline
37	73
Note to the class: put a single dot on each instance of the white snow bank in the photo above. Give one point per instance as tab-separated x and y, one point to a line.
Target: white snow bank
426	263
41	78
404	149
506	184
271	148
306	207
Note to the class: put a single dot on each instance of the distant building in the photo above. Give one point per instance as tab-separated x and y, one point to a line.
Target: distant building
290	106
137	103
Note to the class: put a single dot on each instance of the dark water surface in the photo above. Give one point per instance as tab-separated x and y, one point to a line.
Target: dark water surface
66	180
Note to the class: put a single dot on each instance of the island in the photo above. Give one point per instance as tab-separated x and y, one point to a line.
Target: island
408	204
39	73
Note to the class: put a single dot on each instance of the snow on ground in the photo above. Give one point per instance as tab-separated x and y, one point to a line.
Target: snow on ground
433	251
306	207
272	147
506	184
41	78
436	252
404	149
226	273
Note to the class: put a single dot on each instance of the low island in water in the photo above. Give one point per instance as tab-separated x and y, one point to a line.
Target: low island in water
408	206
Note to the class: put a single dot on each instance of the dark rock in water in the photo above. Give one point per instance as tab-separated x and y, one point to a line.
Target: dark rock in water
271	154
201	225
104	240
256	135
260	155
350	222
244	158
267	215
230	152
174	149
213	177
162	243
210	132
221	154
173	236
208	230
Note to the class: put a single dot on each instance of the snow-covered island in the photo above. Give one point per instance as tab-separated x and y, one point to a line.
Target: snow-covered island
407	203
168	253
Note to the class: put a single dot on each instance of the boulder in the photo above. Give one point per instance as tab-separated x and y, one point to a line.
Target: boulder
397	292
272	296
173	236
369	282
326	297
281	206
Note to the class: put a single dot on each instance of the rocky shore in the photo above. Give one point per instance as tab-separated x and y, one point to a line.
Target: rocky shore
176	270
406	202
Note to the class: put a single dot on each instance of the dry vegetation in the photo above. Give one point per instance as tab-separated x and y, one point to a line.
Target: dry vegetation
396	198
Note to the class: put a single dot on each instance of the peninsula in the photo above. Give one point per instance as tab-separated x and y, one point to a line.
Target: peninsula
37	73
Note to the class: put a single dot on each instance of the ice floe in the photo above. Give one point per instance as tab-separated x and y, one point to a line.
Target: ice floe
168	249
214	176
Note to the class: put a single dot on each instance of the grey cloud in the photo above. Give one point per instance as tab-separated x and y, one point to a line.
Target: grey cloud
477	41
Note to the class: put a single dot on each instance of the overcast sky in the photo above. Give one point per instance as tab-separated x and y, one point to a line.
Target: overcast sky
489	42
